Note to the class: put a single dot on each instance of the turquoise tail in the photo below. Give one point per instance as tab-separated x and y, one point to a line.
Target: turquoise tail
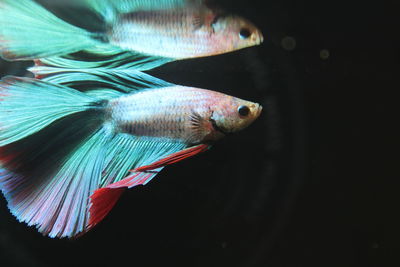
48	137
29	31
29	105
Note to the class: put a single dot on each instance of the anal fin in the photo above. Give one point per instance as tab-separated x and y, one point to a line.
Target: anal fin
104	199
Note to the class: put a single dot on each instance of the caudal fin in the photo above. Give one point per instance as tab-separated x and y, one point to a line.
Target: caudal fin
46	134
29	31
29	105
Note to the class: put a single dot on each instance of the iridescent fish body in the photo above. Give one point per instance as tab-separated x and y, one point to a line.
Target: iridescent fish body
187	114
67	156
155	29
183	33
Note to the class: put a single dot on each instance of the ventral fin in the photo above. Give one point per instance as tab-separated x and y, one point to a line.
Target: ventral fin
174	158
102	201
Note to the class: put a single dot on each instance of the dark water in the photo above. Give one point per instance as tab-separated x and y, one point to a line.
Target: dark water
314	182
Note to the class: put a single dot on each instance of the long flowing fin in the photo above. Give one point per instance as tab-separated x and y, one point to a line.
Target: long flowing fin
49	137
29	31
28	105
104	199
104	57
122	78
48	185
53	193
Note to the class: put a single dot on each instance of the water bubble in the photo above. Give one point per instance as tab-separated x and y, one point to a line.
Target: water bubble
288	43
324	54
375	245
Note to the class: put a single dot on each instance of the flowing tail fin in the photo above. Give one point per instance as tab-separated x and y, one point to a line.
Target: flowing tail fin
50	141
29	105
29	31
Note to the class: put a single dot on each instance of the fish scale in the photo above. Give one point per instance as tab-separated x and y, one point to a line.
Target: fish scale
164	112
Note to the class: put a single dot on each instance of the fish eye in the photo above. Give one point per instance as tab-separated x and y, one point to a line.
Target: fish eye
244	33
243	111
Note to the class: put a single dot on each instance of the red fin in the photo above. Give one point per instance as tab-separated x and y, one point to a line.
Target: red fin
38	62
102	200
6	157
173	158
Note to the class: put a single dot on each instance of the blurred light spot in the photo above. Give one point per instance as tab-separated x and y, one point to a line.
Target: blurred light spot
288	43
375	245
324	54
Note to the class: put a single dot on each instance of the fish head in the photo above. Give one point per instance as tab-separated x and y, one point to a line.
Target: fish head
233	32
234	114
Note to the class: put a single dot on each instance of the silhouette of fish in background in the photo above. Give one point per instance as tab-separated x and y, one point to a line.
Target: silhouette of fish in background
154	32
67	156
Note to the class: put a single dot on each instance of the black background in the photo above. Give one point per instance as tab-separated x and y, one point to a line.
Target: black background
313	182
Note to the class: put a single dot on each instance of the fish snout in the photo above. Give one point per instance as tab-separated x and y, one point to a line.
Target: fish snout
257	37
256	110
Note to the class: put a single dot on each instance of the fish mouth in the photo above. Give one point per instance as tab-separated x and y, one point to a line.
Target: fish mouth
261	38
218	128
257	110
258	38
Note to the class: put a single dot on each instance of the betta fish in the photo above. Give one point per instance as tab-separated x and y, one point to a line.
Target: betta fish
67	155
158	30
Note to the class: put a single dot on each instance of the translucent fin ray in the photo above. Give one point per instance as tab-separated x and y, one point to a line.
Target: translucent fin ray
122	78
57	204
106	57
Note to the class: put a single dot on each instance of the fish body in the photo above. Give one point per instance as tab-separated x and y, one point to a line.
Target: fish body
183	33
178	29
190	115
67	156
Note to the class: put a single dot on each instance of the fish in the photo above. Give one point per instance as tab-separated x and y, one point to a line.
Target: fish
158	30
66	155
